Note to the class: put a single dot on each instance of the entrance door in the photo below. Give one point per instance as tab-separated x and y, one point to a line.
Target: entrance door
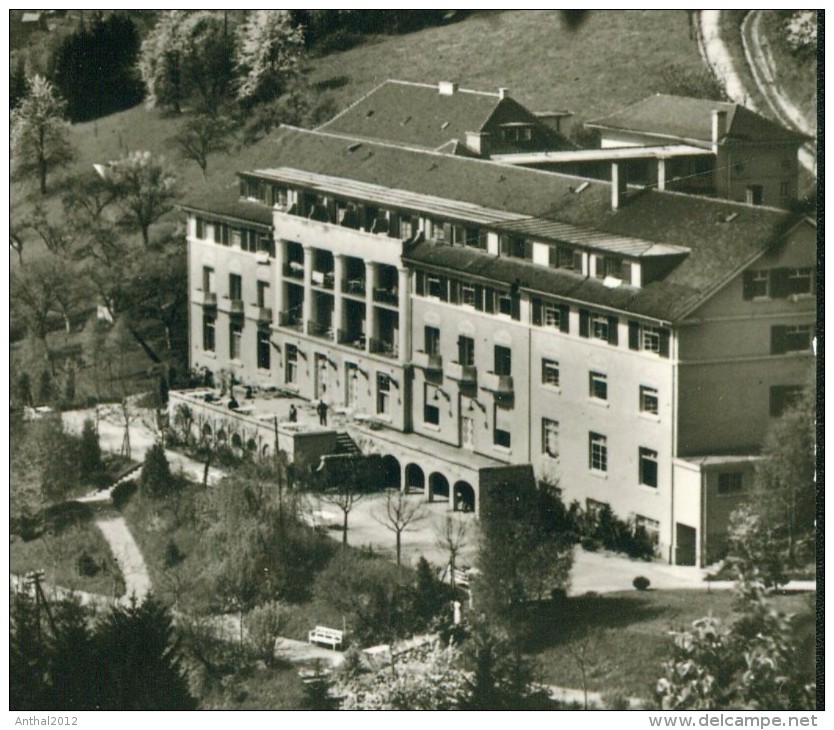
685	543
352	377
321	375
467	432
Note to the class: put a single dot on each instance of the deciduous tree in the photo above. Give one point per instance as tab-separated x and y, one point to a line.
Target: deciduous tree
268	53
40	134
399	515
203	135
144	187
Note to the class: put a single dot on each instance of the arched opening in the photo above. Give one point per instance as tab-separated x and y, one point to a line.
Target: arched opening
415	479
265	451
221	435
206	430
251	445
389	468
464	497
237	441
438	487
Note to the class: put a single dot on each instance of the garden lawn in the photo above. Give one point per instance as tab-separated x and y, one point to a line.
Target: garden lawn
628	635
58	557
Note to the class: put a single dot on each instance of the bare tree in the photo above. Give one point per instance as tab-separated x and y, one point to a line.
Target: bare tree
580	649
339	482
399	515
451	537
203	135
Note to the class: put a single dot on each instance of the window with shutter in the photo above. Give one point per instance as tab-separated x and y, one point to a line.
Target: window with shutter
613	336
584	323
777	340
664	342
537	311
489	300
577	262
479	297
420	283
599	262
564	317
633	335
515	312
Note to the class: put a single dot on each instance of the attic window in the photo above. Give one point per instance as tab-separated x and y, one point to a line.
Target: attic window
355	146
444	125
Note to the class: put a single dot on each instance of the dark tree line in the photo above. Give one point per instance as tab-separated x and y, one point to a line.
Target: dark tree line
94	68
61	660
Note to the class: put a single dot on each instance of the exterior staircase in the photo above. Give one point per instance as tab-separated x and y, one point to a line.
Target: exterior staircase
345	445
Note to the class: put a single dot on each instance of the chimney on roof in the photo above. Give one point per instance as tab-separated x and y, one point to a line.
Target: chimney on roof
503	92
447	88
618	185
719	128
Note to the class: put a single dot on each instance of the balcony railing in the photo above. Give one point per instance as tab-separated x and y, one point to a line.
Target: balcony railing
386	296
317	329
383	347
294	270
351	339
428	362
236	306
207	298
264	314
466	374
290	319
354	286
498	384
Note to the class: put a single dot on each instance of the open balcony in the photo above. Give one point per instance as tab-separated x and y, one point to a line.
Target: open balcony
291	319
348	241
351	339
426	361
464	374
498	384
355	287
264	315
386	296
323	279
236	307
317	329
294	270
384	348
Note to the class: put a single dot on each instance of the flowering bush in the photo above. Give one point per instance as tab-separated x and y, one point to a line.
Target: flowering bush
801	28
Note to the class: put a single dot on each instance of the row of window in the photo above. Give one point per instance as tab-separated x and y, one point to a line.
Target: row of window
263	351
777	283
598	386
236	287
592	325
598	457
246	239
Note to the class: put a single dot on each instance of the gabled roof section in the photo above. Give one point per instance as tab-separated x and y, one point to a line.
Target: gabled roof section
415	114
721	236
690	120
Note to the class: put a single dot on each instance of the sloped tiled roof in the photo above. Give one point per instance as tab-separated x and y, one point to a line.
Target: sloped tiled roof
686	118
418	115
721	236
415	114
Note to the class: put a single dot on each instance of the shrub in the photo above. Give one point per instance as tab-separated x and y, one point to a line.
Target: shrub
591	544
801	32
616	701
86	565
122	493
156	479
89	453
641	583
173	554
265	625
66	514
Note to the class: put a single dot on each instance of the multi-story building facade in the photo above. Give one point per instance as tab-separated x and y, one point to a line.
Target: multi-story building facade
628	344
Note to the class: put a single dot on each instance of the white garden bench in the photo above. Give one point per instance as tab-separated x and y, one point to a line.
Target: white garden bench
323	635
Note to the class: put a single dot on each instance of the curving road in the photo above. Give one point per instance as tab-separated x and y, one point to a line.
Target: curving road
760	62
